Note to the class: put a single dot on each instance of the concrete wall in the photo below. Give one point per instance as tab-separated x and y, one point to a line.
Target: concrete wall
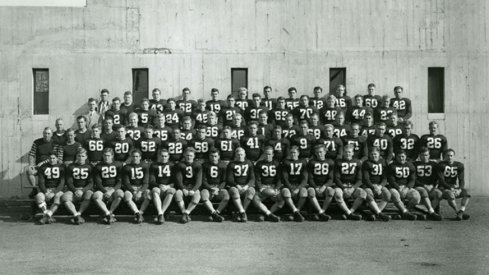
282	43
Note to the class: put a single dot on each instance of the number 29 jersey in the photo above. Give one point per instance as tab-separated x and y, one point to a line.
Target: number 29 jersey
108	175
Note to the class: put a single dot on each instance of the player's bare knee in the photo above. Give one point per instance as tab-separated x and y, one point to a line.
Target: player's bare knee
127	196
286	193
329	192
156	190
311	193
224	195
204	195
118	194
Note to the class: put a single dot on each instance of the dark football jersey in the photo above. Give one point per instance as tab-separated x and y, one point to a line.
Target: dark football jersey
305	144
187	135
68	152
374	172
358	115
402	106
451	175
319	103
289	132
407	143
270	103
367	131
145	117
401	174
200	117
175	149
317	131
381	114
334	147
360	150
117	117
135	133
240	173
213	175
385	145
329	115
188	175
41	149
372	101
186	106
50	176
95	148
280	148
157	106
78	176
426	173
149	148
320	172
265	130
82	137
394	131
347	172
59	138
279	116
213	131
134	175
227	147
108	137
162	133
242	104
215	105
436	143
291	103
121	148
342	130
202	147
294	173
343	102
238	132
161	173
173	117
227	114
253	112
107	175
267	173
301	112
253	146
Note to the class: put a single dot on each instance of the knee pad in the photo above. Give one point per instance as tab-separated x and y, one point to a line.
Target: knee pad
171	191
436	194
303	193
250	193
118	194
386	195
178	195
360	193
224	194
286	193
464	193
127	196
422	192
156	190
329	192
205	195
396	197
311	193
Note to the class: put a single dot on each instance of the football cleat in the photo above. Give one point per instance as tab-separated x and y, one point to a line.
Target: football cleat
76	220
420	217
44	219
462	216
261	218
160	219
370	218
244	218
354	216
383	217
138	218
324	217
409	216
315	217
51	220
298	217
273	218
435	216
81	220
185	218
217	218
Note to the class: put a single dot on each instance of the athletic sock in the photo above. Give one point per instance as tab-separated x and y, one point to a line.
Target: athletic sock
462	208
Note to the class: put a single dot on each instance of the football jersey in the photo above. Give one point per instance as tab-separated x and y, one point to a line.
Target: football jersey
50	176
59	138
317	131
253	112
334	147
270	103
401	174
215	105
317	102
202	147
367	131
394	131
200	117
301	112
242	104
240	173
407	143
291	103
213	131
41	149
227	147
280	147
126	110
402	106
329	115
372	101
253	146
347	172
134	175
237	132
213	175
320	172
187	135
161	173
188	175
175	149
82	137
279	116
305	144
145	117
265	130
157	106
344	103
186	106
385	145
267	173
374	172
289	132
107	175
117	117
294	173
381	114
436	143
227	114
450	173
162	133
78	176
149	148
68	152
360	150
358	115
108	137
121	148
173	117
342	130
426	173
135	133
95	149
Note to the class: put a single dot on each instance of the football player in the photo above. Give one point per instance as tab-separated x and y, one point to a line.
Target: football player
292	101
252	143
122	145
135	178
160	130
227	145
186	104
264	128
357	113
340	128
371	99
278	115
254	108
242	101
157	104
226	116
333	145
267	100
369	128
394	129
213	183
149	145
359	143
280	145
329	112
187	131
214	129
127	106
318	100
82	133
407	141
381	114
145	115
59	136
426	183
290	129
175	146
173	116
115	112
320	181
435	142
39	154
200	115
304	141
67	152
401	104
215	105
188	176
133	130
316	129
161	184
304	110
95	146
294	179
51	179
201	144
383	141
342	100
108	134
238	129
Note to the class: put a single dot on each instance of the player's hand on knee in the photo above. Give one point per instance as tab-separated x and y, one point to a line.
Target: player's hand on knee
215	191
191	192
78	194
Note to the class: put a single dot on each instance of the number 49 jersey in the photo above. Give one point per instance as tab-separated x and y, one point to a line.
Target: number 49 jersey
107	175
78	175
51	175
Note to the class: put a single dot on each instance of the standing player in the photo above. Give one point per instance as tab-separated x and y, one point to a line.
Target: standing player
426	183
108	134
294	179
318	100
436	143
342	100
267	182
242	101
394	129
401	104
67	152
59	136
122	145
371	99
383	112
290	129
333	145
292	101
280	145
173	116
200	114
304	110
79	180
82	133
264	128
135	178
227	145
320	180
157	104
304	141
115	112
316	129
133	130
160	130
358	142
252	112
358	113
348	179
107	177
215	105
374	178
186	104
149	145
252	143
127	106
187	131
407	141
227	114
188	176
329	112
103	104
176	146
145	115
279	114
383	141
95	146
267	100
240	181
51	178
161	184
202	144
452	184
213	183
401	177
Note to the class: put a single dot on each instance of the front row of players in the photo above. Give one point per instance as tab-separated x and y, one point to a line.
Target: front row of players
289	183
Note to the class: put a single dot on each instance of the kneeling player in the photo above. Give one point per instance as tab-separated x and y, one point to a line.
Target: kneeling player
294	179
240	179
267	182
51	181
426	181
451	171
401	177
189	179
79	181
161	184
320	181
348	180
108	185
135	177
374	181
213	183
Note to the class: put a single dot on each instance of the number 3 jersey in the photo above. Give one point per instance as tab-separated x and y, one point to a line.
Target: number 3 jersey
107	175
78	176
188	175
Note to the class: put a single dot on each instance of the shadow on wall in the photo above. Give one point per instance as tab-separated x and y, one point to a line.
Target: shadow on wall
19	182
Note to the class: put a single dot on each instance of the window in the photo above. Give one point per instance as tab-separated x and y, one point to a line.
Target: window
140	87
436	90
337	76
239	78
41	91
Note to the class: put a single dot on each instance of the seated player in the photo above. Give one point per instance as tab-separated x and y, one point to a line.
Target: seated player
374	180
252	143
318	100
426	183
135	178
342	100
267	99
333	145
188	175
214	129
369	128
187	131
161	184
394	129
79	180
39	154
401	104
149	145
280	145
95	146
201	144
348	179
401	177
68	151
304	110
290	129
200	115
359	143
240	180
278	115
316	129
238	129
304	141
186	104
226	116
122	145
329	112
340	128
51	179
215	105
371	99
292	101
357	113
176	146
382	113
267	183
173	115
383	141
107	178
252	112
213	183
435	142
320	179
145	115
407	141
294	180
264	127
161	130
227	145
116	113
242	101
157	104
452	184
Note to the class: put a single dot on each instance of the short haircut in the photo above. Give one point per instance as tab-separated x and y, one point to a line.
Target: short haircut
381	124
319	146
267	87
131	115
230	96
277	127
213	151
96	126
423	149
304	96
304	122
349	147
90	100
448	151
149	127
186	118
327	126
214	90
280	98
190	150
200	100
398	87
375	149
292	89
400	152
358	96
253	122
127	93
116	99
144	100
318	88
156	90
256	95
371	85
81	117
108	150
136	151
185	89
104	91
170	100
268	148
433	123
408	122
